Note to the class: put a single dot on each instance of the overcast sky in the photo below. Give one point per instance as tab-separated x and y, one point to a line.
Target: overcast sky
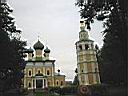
56	22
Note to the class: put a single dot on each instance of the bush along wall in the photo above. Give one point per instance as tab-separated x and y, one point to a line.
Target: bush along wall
107	90
70	90
94	90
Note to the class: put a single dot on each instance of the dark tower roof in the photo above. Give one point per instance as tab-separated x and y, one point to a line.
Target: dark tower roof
47	50
30	50
38	45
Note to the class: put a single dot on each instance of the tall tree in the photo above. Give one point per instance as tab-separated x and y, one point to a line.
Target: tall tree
11	52
76	81
113	55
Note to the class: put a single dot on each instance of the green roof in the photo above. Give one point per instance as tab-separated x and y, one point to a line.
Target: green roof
38	58
30	50
47	50
38	45
88	40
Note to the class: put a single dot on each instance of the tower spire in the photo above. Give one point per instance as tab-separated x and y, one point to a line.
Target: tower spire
38	37
83	34
82	24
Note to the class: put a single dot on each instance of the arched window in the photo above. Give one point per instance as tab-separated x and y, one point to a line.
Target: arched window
29	73
57	82
80	47
38	71
48	73
86	47
61	83
29	84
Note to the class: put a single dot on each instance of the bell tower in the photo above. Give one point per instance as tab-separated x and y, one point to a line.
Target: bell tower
88	72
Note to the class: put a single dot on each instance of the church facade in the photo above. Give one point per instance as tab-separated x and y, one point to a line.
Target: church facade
87	66
40	69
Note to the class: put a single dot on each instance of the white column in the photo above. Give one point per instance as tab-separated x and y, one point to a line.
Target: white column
34	71
35	83
44	71
86	78
24	82
46	82
85	68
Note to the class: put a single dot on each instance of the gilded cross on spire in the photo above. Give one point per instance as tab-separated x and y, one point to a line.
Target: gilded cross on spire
38	37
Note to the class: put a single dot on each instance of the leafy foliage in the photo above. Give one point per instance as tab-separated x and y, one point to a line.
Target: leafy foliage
112	57
76	81
11	51
99	9
70	90
113	53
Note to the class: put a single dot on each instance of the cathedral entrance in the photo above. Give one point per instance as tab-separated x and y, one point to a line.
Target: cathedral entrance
39	83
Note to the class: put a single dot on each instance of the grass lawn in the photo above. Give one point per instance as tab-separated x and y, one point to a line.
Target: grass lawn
44	94
39	94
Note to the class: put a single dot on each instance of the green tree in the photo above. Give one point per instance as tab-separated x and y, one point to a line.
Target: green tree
112	56
76	81
11	52
113	52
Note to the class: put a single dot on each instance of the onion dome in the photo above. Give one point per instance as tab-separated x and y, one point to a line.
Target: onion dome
38	45
30	50
47	50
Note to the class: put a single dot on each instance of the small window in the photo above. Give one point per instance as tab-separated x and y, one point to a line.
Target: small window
29	72
57	83
48	72
81	70
44	82
86	47
38	71
61	83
